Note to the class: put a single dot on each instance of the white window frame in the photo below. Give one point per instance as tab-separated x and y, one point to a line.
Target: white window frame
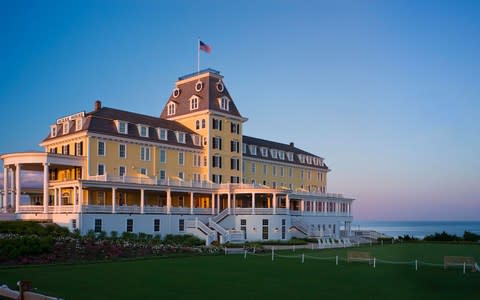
66	127
254	168
224	103
104	148
181	158
181	137
53	130
119	127
164	174
253	149
78	124
124	171
264	151
290	156
164	132
274	153
98	168
120	151
194	103
171	108
144	171
140	128
145	153
164	161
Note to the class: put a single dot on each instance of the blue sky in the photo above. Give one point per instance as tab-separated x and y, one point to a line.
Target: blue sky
386	91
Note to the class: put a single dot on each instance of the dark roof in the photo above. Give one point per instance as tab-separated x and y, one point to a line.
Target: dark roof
103	121
278	146
208	96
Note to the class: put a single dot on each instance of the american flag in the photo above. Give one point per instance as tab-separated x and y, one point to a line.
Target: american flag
205	47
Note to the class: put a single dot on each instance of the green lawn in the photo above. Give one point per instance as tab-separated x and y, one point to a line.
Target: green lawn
257	277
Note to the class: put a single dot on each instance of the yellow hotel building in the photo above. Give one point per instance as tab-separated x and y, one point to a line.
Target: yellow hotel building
191	170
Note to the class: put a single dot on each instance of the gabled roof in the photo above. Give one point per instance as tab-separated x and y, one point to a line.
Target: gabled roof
103	121
281	147
208	95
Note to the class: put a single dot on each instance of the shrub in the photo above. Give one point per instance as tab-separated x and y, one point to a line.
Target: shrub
441	237
470	236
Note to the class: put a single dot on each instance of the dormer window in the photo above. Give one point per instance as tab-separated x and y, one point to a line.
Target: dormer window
309	160
220	86
122	127
53	131
197	140
171	108
244	150
290	156
66	127
78	124
281	155
194	103
274	153
301	157
162	134
224	103
264	151
180	137
253	149
198	86
143	130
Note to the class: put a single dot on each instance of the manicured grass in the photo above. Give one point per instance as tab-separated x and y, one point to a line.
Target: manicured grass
257	277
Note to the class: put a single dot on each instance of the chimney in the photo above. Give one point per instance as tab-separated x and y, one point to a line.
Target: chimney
98	105
292	144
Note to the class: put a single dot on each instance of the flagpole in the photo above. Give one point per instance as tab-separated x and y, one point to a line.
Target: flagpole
198	55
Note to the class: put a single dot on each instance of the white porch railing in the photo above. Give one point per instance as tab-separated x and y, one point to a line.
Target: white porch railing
180	210
30	209
96	208
127	209
243	210
209	234
155	209
264	211
223	232
202	211
222	215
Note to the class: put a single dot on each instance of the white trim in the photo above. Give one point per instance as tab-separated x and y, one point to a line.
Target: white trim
104	148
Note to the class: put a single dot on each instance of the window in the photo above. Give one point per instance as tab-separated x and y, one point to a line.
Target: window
217	124
301	157
290	156
171	109
254	168
224	103
235	128
181	175
217	178
101	197
217	143
144	171
53	131
274	153
235	164
143	130
78	124
122	127
181	158
282	172
301	174
265	229
163	156
205	161
98	225
129	225
274	171
196	177
122	171
101	169
274	184
197	140
309	175
66	149
203	123
194	103
145	153
162	134
163	175
197	161
243	227
74	224
217	161
290	172
234	179
281	155
234	146
265	171
283	229
197	124
101	148
122	150
253	149
66	127
181	225
181	137
156	225
79	149
309	160
244	148
264	151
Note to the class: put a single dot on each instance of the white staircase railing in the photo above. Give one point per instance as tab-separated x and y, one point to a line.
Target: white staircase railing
222	215
225	235
210	235
302	226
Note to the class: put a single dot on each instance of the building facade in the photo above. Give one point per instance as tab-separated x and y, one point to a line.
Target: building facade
191	170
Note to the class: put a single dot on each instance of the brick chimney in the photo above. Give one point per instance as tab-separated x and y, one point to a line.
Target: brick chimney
98	105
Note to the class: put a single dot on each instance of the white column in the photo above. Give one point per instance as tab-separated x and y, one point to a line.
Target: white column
74	190
80	198
55	198
60	198
274	203
5	188
287	203
253	203
234	203
142	201
169	201
302	206
114	200
191	203
12	188
228	200
18	188
213	203
45	188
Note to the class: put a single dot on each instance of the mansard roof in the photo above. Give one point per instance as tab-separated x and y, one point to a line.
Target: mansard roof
208	95
280	147
103	120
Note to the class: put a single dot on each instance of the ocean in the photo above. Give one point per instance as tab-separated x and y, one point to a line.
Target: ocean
418	229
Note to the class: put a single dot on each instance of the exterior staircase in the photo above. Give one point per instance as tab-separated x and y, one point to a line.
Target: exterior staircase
301	226
206	232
